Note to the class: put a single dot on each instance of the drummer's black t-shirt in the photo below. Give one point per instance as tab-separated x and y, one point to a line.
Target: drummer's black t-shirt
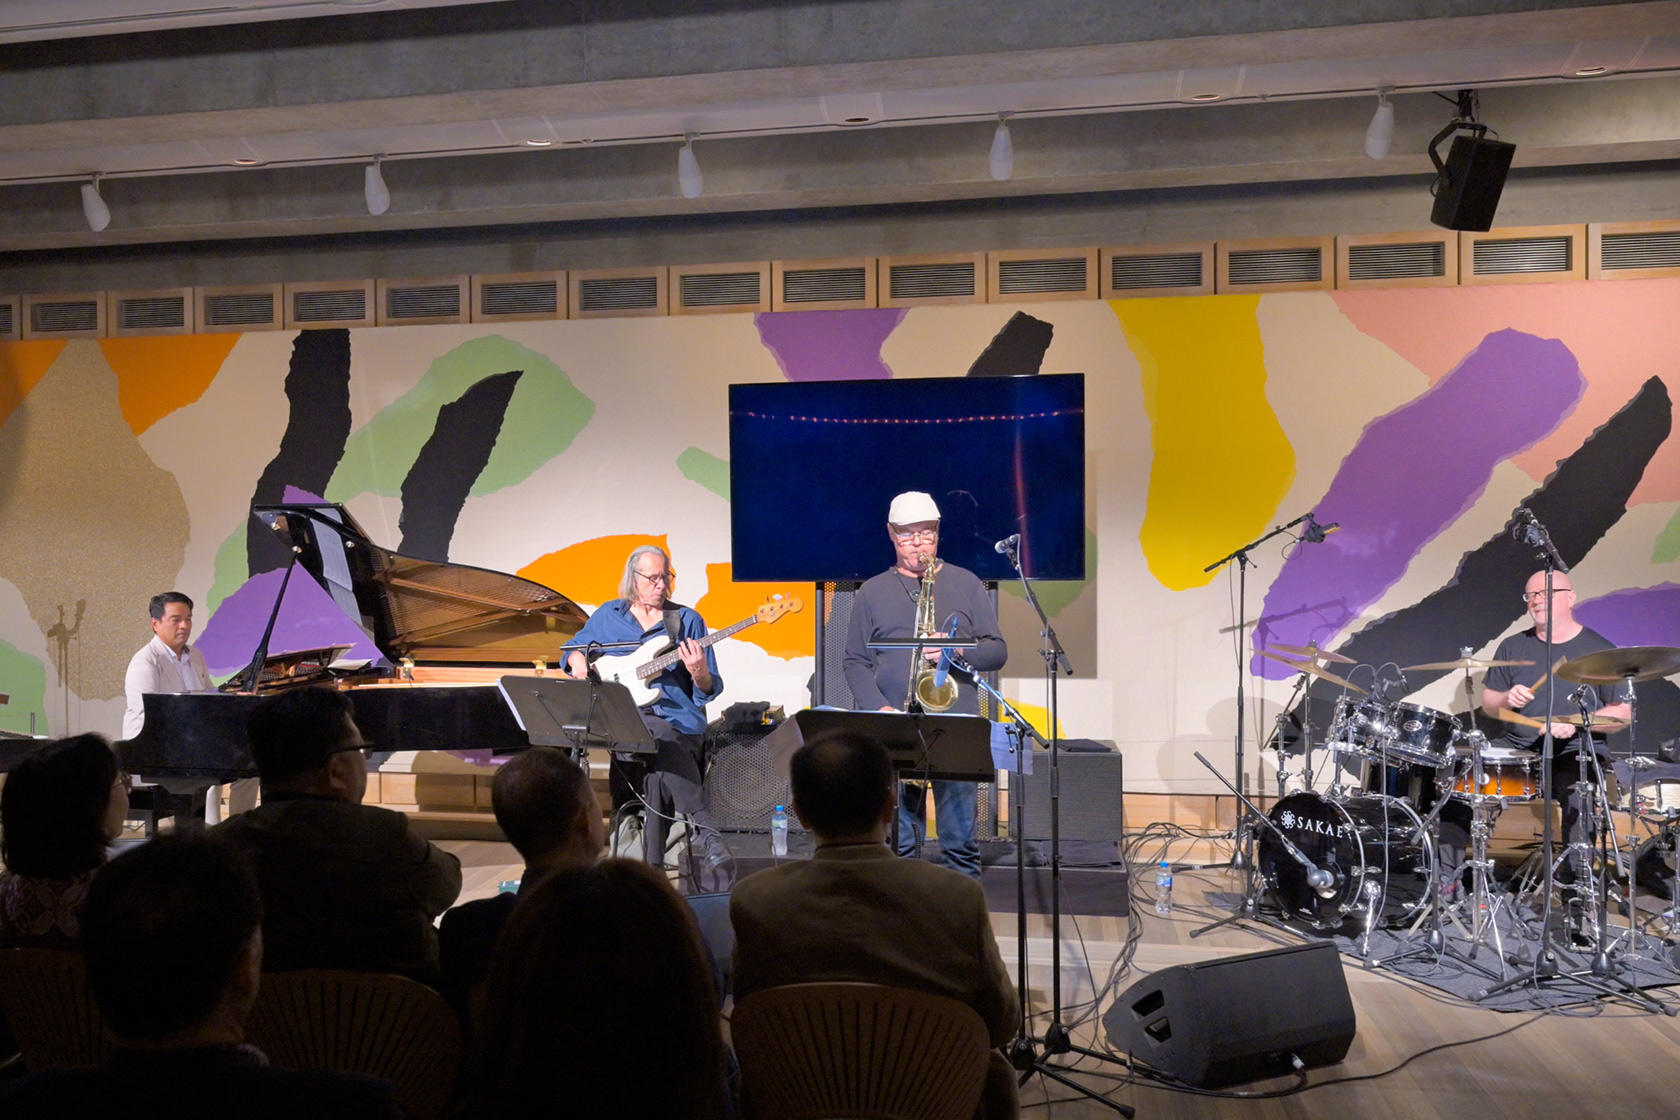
1527	647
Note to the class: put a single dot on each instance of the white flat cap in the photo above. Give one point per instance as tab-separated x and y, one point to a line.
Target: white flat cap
912	506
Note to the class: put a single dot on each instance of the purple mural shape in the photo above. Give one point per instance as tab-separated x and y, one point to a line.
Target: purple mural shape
829	345
1414	472
1640	616
308	619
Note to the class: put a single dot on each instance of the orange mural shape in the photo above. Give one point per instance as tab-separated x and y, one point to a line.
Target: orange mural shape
157	375
22	365
727	602
588	572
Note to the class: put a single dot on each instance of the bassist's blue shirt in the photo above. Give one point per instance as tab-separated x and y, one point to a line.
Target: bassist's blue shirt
678	701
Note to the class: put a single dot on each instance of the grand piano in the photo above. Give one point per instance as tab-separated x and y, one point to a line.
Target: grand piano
447	633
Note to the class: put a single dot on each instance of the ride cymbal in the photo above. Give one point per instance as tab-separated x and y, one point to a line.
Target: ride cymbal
1461	663
1311	650
1612	666
1312	668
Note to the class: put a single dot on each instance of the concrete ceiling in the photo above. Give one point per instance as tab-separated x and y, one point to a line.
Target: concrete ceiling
520	112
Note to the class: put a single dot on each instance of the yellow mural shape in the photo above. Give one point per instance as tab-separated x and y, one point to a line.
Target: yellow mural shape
727	602
156	376
1038	716
1222	461
22	365
588	572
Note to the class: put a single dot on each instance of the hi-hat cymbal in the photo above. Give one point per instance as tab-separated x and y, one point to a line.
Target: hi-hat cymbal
1606	726
1461	663
1311	650
1312	667
1612	666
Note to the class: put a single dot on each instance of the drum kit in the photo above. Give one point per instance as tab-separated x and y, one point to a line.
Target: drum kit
1367	854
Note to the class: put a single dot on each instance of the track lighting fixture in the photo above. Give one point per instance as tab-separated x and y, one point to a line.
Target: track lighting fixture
98	214
1002	159
1380	135
688	169
378	195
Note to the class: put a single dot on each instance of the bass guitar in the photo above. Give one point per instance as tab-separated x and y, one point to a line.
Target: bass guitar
639	668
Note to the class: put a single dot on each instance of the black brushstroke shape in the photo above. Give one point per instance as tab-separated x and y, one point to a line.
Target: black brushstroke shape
318	398
451	461
1578	503
1016	349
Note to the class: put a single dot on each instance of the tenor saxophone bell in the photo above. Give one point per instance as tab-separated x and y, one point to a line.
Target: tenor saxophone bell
925	688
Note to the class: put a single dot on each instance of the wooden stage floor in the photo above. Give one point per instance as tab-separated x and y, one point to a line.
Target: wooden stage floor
1584	1061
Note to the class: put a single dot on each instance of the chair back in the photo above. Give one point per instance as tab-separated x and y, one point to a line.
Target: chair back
44	994
361	1022
863	1051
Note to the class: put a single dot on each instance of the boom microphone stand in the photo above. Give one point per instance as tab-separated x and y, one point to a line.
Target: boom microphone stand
1023	1052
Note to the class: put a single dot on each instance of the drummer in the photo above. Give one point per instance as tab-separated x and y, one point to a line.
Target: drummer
1523	689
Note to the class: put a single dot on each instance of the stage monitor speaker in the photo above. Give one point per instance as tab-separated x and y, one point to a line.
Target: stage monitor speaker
1475	176
1091	804
1237	1019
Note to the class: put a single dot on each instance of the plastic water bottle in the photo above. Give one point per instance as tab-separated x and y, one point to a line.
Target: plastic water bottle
1163	889
778	831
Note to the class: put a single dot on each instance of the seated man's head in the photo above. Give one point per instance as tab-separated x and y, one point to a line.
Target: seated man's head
172	935
843	787
304	741
547	808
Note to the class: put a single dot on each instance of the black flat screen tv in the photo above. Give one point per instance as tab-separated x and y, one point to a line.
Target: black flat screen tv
814	465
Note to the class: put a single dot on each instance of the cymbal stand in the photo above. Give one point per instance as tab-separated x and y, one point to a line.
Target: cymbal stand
1483	903
1306	740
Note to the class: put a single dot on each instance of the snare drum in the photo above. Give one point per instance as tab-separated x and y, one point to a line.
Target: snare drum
1422	735
1509	776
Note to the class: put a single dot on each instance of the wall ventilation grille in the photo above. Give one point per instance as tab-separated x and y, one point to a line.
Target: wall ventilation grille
152	313
432	301
64	317
619	293
931	281
337	306
848	284
1397	262
721	289
1155	270
519	297
1275	266
8	320
250	309
1523	254
1024	277
1640	250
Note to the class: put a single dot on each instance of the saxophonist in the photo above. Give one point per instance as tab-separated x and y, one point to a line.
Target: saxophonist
887	607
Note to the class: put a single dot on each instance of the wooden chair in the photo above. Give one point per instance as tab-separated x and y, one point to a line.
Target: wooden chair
361	1022
44	994
810	1051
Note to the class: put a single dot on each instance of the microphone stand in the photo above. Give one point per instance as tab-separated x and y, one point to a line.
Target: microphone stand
1023	1052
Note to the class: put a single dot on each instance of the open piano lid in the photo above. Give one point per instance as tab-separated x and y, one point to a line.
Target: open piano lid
430	611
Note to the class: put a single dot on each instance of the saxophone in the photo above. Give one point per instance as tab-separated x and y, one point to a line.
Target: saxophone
924	688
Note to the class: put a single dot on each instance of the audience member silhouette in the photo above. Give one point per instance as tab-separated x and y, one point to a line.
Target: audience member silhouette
549	813
344	885
566	996
856	912
171	933
60	808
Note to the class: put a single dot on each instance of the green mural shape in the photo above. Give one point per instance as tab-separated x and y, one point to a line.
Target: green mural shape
228	573
1668	542
24	678
546	413
706	469
1056	595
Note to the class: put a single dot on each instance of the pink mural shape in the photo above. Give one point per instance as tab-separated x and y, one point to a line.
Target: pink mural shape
1640	616
829	345
308	619
1414	472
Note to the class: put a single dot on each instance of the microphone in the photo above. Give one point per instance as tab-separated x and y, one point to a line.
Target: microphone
1315	533
1007	544
944	669
1320	880
1529	531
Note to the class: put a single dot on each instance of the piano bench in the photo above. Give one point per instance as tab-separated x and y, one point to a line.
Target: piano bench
151	804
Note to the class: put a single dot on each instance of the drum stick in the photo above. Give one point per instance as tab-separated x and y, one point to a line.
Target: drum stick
1535	687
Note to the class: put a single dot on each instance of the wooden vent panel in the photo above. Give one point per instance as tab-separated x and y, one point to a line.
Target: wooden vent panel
518	296
256	307
149	313
823	285
64	316
1397	260
1027	275
1157	270
1276	265
716	288
11	318
611	293
345	304
914	281
1527	255
430	299
1633	250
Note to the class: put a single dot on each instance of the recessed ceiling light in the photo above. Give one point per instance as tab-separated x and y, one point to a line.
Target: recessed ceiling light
537	142
1204	97
248	161
857	120
1591	71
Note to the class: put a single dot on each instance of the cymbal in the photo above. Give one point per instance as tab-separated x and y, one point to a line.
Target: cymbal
1312	667
1605	725
1461	663
1311	650
1612	666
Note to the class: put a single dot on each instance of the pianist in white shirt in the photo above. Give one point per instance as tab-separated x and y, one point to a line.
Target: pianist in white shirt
168	663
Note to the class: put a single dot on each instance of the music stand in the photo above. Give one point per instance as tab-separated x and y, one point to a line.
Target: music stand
946	747
576	714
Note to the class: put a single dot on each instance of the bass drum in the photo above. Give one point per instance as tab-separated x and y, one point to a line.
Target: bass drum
1372	846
